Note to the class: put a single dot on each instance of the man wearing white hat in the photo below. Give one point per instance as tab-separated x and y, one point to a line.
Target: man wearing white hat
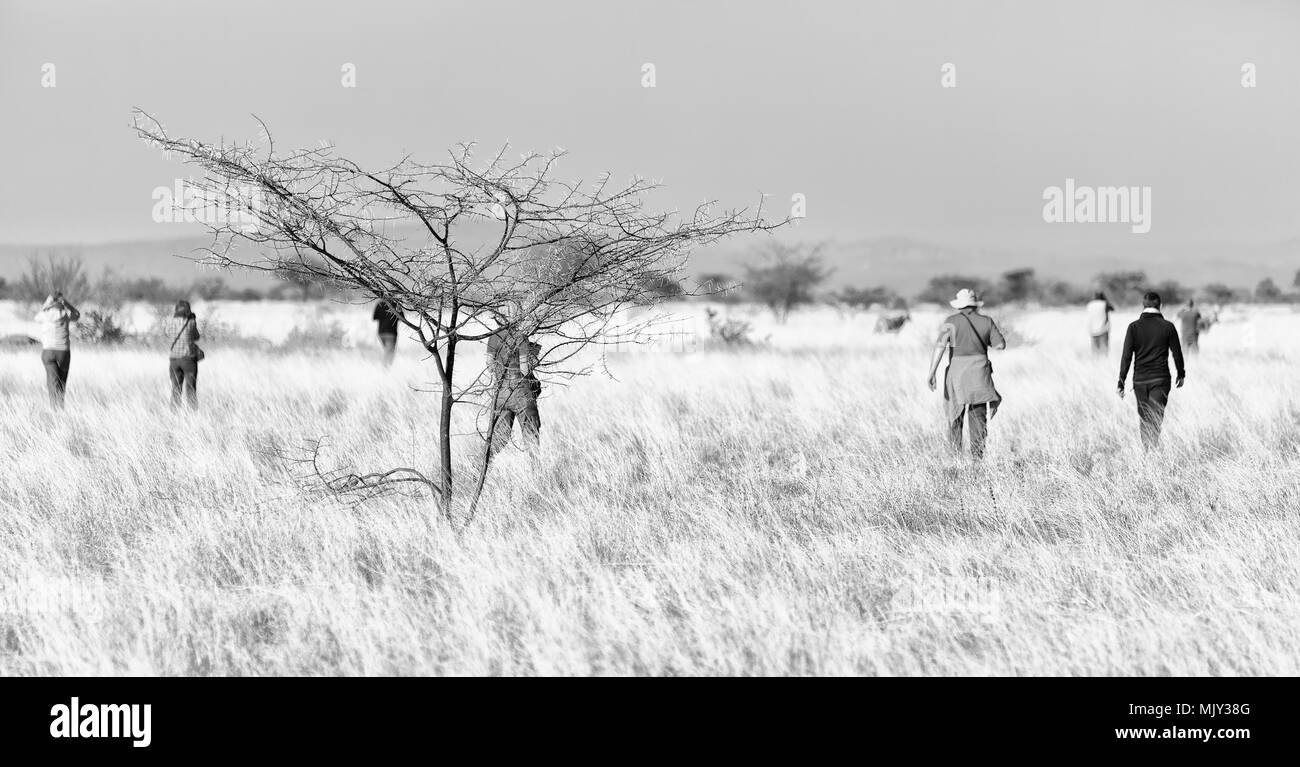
968	390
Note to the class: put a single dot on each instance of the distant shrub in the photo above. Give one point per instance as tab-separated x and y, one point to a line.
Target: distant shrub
53	275
941	289
865	298
1061	293
1267	291
1218	293
209	288
318	335
1171	292
146	289
731	333
1124	287
100	328
245	294
786	277
297	287
1018	285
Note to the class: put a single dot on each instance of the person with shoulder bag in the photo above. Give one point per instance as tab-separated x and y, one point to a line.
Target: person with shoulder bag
513	360
968	390
184	357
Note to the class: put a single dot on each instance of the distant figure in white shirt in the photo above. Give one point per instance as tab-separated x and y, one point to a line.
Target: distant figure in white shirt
1098	313
56	352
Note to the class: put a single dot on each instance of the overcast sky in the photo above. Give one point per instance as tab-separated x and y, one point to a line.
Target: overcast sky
839	101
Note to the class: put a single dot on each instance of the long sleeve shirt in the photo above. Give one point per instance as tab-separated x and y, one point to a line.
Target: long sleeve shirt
1098	313
1147	345
54	319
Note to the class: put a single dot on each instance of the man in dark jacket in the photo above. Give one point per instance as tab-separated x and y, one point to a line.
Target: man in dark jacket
1147	345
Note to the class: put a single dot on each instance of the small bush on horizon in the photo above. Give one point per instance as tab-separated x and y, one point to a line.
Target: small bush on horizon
102	328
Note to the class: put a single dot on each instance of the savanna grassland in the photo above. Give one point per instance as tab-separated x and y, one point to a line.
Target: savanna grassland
785	509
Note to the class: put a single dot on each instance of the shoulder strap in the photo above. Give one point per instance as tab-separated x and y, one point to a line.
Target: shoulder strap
184	324
983	346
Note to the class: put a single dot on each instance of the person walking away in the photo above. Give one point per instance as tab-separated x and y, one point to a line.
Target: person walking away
512	363
968	390
1189	321
56	350
1098	313
387	316
1147	345
184	356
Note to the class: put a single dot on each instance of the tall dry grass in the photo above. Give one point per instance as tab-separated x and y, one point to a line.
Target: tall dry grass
787	510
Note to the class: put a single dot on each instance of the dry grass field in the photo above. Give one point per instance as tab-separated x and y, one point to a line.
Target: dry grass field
787	509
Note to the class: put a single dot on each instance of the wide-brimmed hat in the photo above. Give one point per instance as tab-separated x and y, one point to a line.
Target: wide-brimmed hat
965	298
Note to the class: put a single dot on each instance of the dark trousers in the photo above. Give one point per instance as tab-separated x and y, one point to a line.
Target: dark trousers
1191	343
1101	343
56	364
1151	401
184	373
530	424
389	342
979	429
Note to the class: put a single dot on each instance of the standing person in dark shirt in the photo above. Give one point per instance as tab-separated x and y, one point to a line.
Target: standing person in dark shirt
1147	345
387	315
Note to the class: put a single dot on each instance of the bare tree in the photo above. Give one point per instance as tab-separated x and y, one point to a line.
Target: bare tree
53	275
503	247
786	276
209	288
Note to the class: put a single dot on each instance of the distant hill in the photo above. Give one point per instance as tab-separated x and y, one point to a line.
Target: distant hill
172	260
169	260
901	263
906	265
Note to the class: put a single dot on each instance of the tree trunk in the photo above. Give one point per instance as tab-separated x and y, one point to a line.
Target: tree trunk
482	472
488	445
444	433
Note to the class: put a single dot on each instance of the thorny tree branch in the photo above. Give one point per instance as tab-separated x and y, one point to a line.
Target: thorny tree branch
304	466
500	248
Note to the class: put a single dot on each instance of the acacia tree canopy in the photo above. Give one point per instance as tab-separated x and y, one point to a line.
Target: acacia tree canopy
504	247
